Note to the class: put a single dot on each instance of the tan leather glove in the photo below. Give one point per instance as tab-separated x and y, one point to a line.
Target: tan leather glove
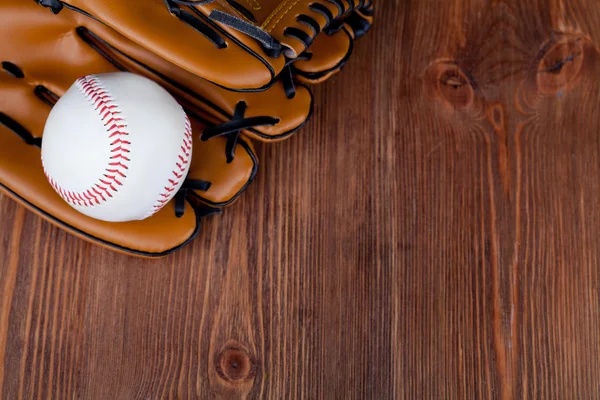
333	47
43	54
242	45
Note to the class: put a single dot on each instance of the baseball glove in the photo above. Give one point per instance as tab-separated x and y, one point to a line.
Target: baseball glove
43	54
241	45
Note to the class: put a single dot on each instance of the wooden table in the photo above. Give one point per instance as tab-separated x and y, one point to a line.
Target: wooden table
431	233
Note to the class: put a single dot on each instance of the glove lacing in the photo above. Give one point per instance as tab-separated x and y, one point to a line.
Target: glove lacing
232	129
287	77
270	45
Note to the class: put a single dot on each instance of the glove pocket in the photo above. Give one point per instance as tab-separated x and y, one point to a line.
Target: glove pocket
22	178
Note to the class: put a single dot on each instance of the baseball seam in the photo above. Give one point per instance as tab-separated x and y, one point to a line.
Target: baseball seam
102	101
179	172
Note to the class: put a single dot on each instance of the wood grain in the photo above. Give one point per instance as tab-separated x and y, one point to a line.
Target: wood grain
431	233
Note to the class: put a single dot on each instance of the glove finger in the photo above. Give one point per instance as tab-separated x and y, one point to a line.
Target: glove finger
329	54
292	25
277	115
231	178
358	22
296	24
186	38
333	47
246	44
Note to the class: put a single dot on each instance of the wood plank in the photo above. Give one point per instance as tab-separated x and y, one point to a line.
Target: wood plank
431	233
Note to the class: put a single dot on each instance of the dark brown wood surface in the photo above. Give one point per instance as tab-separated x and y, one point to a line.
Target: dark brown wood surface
431	233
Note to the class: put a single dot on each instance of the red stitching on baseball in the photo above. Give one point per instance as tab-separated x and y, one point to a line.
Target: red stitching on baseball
184	156
118	141
103	102
116	164
104	189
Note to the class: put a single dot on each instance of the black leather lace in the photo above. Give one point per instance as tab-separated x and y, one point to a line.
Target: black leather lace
359	25
287	77
188	189
270	45
190	19
21	131
54	5
333	22
12	69
233	129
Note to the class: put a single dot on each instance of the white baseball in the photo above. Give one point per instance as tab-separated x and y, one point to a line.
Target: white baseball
116	147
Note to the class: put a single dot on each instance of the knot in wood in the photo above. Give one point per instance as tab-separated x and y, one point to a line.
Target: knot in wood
445	80
234	364
560	63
